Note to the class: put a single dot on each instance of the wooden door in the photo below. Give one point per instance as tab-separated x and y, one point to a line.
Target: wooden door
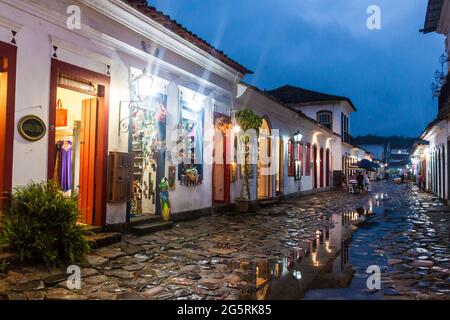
3	101
7	106
321	167
219	168
327	173
280	171
87	160
315	166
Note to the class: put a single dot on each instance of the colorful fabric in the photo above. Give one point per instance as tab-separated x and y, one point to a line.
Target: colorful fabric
65	170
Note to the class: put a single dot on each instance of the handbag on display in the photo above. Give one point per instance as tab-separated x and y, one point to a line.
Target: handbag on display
61	115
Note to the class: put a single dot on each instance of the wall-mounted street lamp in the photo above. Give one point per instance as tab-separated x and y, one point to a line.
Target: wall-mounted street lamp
298	136
236	126
144	90
144	85
439	77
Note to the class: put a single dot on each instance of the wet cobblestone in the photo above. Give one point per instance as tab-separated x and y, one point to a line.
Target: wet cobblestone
267	254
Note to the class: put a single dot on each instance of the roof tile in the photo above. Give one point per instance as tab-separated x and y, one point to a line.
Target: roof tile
172	25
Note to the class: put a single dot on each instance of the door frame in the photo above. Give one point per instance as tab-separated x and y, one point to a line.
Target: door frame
268	178
102	127
9	52
321	167
315	153
226	164
328	167
280	165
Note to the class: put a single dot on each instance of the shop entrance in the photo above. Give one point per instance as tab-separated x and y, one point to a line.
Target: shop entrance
264	163
315	166
147	131
321	164
75	146
328	167
7	101
78	138
221	169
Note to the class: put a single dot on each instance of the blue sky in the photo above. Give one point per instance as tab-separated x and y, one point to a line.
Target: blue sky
325	45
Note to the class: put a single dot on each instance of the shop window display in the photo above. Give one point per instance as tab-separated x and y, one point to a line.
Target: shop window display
147	138
190	132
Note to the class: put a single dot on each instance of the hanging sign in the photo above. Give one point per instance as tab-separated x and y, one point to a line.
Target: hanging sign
31	128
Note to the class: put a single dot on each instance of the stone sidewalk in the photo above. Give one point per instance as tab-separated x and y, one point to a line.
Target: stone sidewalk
194	260
236	256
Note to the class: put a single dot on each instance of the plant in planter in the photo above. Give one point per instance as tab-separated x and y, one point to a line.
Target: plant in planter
40	224
247	120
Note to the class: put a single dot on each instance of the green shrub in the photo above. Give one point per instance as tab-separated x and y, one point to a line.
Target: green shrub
40	224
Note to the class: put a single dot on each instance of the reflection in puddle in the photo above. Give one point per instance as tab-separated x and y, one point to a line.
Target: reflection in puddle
326	255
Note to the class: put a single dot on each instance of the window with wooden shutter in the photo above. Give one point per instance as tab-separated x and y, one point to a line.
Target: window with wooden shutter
308	160
291	160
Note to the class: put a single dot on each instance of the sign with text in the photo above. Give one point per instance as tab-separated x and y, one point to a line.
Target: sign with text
31	128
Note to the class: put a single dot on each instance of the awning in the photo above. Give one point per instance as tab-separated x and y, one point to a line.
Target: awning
368	165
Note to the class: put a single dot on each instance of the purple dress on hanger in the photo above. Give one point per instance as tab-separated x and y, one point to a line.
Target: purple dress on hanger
66	165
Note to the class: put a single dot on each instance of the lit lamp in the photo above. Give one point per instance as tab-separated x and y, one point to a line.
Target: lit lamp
298	137
297	162
236	126
144	84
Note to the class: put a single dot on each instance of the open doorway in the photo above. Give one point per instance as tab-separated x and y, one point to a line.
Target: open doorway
75	146
315	167
147	130
221	169
264	163
78	138
7	102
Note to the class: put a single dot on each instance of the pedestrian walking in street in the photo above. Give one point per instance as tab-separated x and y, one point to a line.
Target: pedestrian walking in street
402	178
420	181
367	181
360	179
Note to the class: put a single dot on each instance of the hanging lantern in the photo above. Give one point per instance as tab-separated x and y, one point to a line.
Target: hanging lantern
144	84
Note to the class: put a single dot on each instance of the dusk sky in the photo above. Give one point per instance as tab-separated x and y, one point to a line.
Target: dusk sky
325	45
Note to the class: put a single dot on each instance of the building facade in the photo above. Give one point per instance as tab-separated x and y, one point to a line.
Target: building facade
332	112
114	104
430	156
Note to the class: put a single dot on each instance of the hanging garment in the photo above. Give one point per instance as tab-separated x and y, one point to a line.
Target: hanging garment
56	172
65	176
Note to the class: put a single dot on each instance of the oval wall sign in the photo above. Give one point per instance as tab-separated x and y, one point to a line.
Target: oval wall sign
31	128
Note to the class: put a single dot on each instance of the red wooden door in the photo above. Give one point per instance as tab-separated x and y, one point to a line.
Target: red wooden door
327	173
7	107
315	165
218	180
87	160
321	167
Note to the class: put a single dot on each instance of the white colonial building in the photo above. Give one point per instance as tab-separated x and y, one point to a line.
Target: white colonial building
430	157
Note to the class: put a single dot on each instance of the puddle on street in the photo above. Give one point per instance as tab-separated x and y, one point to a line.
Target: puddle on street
331	265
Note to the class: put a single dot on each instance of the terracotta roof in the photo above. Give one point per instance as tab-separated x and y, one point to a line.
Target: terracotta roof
300	113
433	15
172	25
292	95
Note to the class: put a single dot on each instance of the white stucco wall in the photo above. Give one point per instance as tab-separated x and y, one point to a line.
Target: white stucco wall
288	123
42	26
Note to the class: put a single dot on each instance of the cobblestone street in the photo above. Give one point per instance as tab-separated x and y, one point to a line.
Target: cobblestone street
306	247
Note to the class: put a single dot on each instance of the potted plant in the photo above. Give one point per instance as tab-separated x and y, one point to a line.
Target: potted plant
247	120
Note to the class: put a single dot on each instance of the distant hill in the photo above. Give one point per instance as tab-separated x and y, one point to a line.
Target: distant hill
396	142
